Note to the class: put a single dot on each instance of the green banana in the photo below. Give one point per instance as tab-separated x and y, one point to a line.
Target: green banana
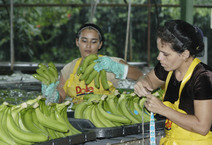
78	113
3	143
37	123
113	106
145	117
59	119
53	72
23	135
106	106
124	108
52	79
131	103
40	78
79	70
50	72
112	117
96	80
91	77
88	96
87	60
87	113
28	121
95	120
87	72
104	120
103	77
42	66
41	73
141	102
20	141
51	64
49	123
4	135
72	129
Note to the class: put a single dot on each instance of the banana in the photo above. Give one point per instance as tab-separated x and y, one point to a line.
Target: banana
95	120
78	113
91	77
96	80
3	143
88	71
54	72
87	113
104	120
131	103
15	112
42	66
103	77
88	96
49	123
28	121
37	123
51	64
59	119
141	102
112	117
113	106
49	73
51	76
20	121
52	132
106	106
40	78
71	127
145	117
79	70
87	60
4	135
20	141
124	108
41	73
23	135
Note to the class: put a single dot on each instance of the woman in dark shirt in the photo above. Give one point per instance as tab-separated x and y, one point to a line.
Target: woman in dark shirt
187	82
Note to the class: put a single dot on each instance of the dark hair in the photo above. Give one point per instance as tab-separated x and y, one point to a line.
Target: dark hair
94	27
183	36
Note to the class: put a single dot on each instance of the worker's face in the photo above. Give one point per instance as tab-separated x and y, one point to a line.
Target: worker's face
88	42
169	59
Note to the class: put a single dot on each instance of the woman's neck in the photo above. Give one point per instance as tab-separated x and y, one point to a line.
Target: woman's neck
181	71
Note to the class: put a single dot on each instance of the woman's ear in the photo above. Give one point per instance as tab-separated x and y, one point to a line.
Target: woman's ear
186	54
100	45
77	42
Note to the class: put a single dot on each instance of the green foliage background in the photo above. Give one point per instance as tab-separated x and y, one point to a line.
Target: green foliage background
43	34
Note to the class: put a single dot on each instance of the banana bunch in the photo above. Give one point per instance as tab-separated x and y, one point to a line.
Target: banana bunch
46	74
112	110
87	72
33	121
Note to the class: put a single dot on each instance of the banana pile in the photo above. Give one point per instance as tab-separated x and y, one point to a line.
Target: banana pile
87	72
112	110
46	74
34	121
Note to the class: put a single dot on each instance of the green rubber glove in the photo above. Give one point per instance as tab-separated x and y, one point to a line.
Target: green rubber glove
106	63
50	92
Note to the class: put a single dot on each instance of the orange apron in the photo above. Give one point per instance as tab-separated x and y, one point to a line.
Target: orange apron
76	89
175	135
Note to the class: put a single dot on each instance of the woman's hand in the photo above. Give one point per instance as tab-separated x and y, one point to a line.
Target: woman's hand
153	104
142	87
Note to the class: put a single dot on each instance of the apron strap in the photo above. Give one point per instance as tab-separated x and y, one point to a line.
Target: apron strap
77	65
185	78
